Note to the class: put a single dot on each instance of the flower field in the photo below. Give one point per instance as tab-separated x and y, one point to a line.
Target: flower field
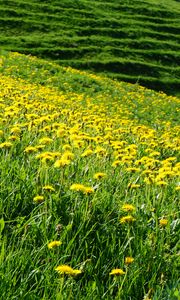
89	196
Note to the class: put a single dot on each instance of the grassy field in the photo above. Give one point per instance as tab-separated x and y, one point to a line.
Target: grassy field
89	196
134	41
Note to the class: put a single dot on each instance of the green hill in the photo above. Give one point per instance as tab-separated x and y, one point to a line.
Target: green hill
89	191
134	41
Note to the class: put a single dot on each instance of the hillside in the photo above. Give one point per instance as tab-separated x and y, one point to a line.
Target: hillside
89	197
133	41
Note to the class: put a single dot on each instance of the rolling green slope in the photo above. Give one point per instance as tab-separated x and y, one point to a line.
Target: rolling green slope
134	41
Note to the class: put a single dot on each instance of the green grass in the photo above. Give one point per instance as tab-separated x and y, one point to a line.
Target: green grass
87	35
132	135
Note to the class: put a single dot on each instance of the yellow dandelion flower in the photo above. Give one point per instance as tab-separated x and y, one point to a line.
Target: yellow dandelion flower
54	244
147	172
40	147
62	163
47	158
99	175
81	188
163	222
128	207
45	129
46	155
100	151
169	173
76	272
88	190
118	156
161	183
30	149
64	269
127	219
171	158
6	145
56	154
86	153
128	260
126	158
148	180
61	132
116	163
78	144
117	272
77	187
45	141
66	147
177	188
67	270
38	199
48	188
13	138
133	186
133	169
154	153
68	155
16	130
159	177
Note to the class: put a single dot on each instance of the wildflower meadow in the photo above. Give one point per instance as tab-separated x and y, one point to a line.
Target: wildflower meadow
89	196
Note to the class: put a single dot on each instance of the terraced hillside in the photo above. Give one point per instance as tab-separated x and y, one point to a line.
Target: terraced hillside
134	41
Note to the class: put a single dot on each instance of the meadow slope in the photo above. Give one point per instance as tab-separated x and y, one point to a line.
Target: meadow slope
89	196
134	41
